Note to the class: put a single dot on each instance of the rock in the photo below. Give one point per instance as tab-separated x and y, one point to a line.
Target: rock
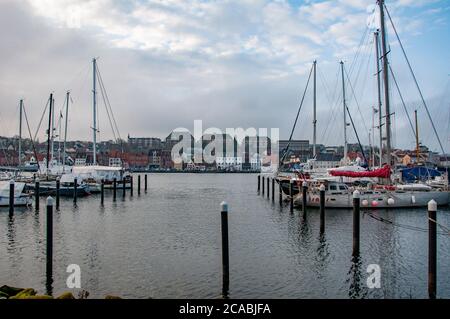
66	295
38	297
112	297
24	294
10	291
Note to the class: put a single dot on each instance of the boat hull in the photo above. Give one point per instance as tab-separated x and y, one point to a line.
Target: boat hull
374	200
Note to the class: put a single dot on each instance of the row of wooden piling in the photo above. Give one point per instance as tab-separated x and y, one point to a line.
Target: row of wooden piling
432	222
75	193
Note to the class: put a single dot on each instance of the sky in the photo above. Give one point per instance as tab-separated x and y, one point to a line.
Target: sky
231	64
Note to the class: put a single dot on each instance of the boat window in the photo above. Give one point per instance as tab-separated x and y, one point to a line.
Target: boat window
333	187
342	187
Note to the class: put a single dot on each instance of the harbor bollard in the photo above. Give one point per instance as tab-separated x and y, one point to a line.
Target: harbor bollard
114	189
145	182
280	193
124	184
432	244
304	195
273	189
268	187
102	192
131	185
263	186
58	184
11	197
225	254
356	208
259	183
75	187
139	184
322	208
49	238
36	194
291	195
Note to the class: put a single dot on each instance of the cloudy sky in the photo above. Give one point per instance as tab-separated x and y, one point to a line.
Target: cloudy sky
229	63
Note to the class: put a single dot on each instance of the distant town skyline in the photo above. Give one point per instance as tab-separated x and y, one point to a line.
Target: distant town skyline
231	64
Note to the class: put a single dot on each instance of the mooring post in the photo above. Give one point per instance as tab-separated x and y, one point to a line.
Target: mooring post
102	192
432	248
225	253
36	194
273	189
356	208
291	194
304	195
49	240
280	192
131	186
58	184
11	198
259	183
123	188
268	186
75	187
263	186
322	208
114	189
145	182
139	184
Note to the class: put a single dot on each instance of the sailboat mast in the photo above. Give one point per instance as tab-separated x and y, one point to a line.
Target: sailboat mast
417	137
385	82
65	130
94	104
314	112
53	132
20	132
345	112
380	113
49	133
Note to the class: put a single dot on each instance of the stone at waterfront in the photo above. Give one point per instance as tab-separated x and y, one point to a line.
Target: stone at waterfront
66	295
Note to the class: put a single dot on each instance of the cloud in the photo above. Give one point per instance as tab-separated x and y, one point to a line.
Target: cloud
166	63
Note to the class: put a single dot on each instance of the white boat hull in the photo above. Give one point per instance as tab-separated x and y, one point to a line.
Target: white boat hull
392	199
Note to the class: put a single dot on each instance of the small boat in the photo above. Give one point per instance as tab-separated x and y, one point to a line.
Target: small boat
20	197
66	189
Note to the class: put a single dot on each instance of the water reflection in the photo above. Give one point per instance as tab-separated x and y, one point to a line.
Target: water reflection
355	277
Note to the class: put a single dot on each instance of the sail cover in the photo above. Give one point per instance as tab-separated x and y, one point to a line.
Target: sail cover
383	172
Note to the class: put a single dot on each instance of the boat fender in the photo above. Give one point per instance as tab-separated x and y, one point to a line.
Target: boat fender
391	201
365	202
413	199
374	203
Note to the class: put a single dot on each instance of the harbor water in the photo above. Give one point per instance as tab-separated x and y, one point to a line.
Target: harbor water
166	243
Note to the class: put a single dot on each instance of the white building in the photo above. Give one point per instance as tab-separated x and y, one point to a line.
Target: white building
255	162
229	163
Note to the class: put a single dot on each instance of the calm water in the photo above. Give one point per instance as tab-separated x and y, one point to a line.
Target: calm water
166	244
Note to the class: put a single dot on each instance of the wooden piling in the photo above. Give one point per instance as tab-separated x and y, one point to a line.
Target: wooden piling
11	198
36	194
49	238
75	187
102	192
114	189
262	185
273	189
322	208
432	249
145	182
304	196
124	192
268	187
131	185
225	248
356	209
280	193
291	195
259	183
58	185
139	185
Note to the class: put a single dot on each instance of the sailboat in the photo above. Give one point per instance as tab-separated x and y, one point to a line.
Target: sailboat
377	195
94	173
